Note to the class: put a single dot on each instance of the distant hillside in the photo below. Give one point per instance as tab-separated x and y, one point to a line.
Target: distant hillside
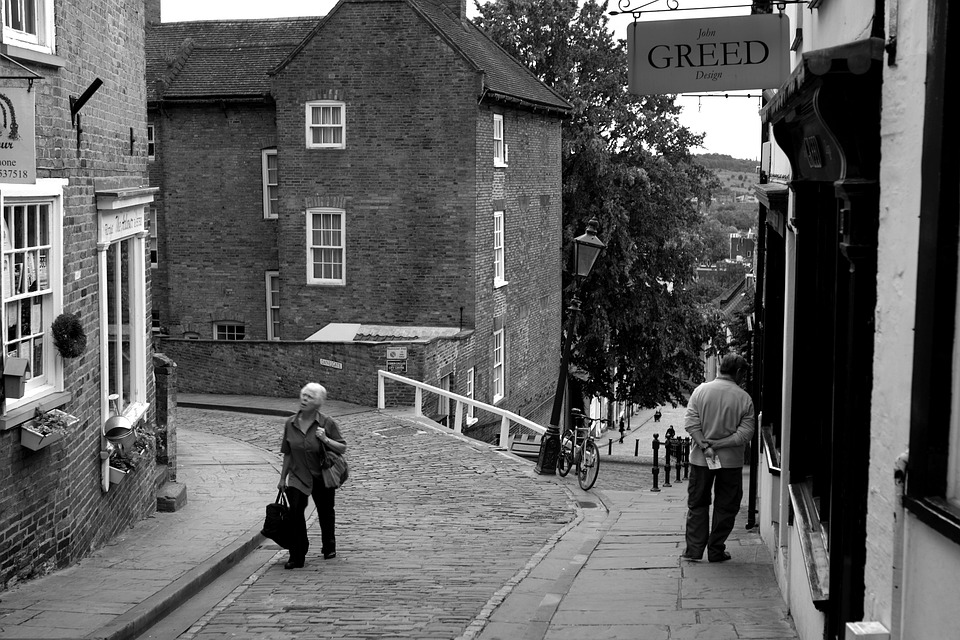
723	161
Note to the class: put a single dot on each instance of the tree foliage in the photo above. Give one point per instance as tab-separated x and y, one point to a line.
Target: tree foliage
626	162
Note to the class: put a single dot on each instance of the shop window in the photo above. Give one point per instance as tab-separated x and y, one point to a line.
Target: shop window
32	255
325	246
326	125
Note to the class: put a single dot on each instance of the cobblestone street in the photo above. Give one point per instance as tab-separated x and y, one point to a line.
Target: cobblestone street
422	547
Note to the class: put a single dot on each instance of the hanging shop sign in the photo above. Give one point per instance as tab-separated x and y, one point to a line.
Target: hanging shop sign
18	147
708	54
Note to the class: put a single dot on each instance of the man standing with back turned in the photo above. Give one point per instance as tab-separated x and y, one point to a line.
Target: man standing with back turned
720	421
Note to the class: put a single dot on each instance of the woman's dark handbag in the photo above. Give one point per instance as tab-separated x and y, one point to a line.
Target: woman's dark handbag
277	525
335	470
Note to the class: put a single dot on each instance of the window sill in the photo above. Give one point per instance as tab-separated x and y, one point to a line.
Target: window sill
472	421
500	164
497	283
25	412
937	513
813	547
497	399
30	55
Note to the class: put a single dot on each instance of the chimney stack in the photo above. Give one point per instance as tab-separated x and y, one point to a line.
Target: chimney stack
152	13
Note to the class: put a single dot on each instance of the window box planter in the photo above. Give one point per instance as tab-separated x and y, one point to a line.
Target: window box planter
45	429
117	475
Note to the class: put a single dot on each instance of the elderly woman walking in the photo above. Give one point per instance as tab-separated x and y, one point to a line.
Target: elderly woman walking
307	437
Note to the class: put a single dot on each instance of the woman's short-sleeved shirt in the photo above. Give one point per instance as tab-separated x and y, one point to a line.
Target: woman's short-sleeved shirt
306	452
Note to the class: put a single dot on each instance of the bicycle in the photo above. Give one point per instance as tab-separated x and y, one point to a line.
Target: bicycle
578	448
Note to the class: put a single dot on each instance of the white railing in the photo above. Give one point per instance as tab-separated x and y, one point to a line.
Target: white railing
506	417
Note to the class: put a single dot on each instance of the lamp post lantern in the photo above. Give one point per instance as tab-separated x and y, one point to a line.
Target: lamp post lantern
586	249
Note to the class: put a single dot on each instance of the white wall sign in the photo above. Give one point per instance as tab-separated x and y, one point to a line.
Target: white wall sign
708	54
18	145
396	353
116	225
331	363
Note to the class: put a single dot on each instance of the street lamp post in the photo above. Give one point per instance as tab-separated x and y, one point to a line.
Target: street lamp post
586	248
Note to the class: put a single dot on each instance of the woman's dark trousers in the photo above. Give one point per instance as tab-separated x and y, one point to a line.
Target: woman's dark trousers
324	499
727	485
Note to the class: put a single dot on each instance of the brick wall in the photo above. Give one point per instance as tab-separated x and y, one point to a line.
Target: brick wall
214	243
52	510
528	191
406	178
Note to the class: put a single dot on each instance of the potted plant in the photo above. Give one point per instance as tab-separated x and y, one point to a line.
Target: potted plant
45	428
68	335
123	462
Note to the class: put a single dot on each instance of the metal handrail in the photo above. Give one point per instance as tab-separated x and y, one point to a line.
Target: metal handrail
506	417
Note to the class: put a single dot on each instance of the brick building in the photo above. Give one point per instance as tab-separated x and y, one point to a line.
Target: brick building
72	176
384	179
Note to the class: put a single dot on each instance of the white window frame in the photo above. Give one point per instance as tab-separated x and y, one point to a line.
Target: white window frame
498	370
43	40
227	327
471	385
46	191
272	283
499	250
499	142
271	202
341	247
310	125
151	143
135	287
443	402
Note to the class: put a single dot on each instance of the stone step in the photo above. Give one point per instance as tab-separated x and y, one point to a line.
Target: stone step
171	496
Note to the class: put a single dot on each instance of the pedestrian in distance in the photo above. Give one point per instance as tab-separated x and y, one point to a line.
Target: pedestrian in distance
622	430
720	421
307	437
657	415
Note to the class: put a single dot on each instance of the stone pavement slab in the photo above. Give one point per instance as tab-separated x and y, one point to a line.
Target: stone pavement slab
131	577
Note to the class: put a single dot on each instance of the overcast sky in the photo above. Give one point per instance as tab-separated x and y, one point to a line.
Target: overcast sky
732	125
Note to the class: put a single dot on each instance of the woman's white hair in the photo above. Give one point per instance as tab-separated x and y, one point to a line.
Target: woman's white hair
317	389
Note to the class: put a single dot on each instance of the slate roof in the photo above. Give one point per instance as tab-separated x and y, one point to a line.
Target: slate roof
735	298
232	58
219	58
502	74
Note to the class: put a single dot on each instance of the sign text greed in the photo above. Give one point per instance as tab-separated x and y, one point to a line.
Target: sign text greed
715	54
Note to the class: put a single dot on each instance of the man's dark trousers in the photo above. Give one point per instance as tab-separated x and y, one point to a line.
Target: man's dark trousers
727	485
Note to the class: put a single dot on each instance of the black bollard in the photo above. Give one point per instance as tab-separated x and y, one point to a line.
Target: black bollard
656	461
636	448
678	455
666	462
686	458
610	447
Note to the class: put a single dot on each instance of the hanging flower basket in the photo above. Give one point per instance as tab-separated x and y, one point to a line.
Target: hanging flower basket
68	335
46	428
117	475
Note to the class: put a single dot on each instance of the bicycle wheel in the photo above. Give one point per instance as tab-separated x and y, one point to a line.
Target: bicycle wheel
589	465
565	458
